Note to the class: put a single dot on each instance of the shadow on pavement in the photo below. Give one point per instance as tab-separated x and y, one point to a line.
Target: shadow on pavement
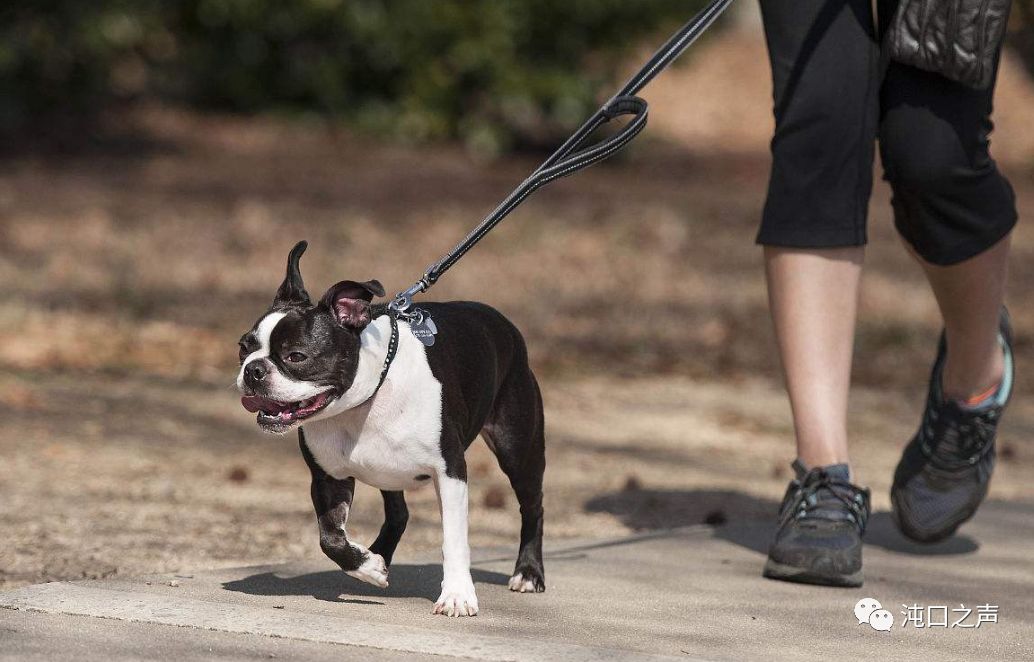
744	519
405	581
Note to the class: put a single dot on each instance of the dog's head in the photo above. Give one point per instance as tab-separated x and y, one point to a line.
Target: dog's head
301	357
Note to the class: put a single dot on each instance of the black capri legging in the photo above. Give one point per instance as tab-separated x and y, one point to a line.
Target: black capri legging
833	94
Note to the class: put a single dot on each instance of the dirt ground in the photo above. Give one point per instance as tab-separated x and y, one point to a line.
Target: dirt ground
131	266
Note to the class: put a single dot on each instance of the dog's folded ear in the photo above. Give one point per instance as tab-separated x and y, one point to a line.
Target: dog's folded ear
292	290
350	301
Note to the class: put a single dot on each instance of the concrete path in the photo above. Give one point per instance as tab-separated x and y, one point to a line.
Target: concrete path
692	593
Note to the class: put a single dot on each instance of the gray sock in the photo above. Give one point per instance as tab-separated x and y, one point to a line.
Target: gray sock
839	471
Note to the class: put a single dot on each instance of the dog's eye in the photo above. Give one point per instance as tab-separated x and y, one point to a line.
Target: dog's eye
296	357
243	351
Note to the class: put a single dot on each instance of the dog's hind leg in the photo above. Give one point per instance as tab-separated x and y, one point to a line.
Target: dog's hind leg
515	433
332	499
396	515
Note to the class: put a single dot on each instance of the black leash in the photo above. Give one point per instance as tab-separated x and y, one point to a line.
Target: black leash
566	159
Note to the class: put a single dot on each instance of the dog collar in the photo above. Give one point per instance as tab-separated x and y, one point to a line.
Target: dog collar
393	348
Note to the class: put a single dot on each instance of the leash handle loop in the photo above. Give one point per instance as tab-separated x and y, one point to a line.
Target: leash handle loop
570	163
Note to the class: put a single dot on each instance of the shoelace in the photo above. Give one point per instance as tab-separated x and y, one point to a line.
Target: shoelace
953	438
819	495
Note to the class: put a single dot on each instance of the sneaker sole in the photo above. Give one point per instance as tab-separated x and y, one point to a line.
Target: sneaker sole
789	573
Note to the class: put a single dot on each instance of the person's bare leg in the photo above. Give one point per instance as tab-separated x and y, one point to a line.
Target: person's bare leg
813	297
970	295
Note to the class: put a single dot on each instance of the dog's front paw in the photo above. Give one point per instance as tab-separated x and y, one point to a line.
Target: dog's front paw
373	571
457	600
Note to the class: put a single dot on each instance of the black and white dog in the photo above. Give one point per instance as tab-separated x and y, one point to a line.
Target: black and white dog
322	365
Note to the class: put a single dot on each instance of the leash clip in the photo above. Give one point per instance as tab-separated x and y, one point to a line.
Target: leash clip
420	323
402	302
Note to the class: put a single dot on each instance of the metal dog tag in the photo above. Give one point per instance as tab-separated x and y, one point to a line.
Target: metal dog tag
423	327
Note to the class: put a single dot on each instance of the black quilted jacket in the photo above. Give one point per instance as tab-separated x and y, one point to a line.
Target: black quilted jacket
956	38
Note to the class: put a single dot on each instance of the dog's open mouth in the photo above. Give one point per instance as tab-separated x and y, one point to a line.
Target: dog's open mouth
274	412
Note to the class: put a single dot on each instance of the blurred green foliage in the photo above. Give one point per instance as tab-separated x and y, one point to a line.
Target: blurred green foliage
495	73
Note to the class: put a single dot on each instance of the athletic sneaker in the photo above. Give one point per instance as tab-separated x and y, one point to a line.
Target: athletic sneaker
945	470
821	522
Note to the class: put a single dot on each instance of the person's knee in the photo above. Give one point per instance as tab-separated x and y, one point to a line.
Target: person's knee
922	159
950	202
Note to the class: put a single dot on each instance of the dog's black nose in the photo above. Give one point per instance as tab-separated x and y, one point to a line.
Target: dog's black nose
256	371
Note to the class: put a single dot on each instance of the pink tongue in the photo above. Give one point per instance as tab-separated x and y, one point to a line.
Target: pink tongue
317	402
254	403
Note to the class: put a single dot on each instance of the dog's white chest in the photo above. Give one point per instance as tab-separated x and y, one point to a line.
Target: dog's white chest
391	442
